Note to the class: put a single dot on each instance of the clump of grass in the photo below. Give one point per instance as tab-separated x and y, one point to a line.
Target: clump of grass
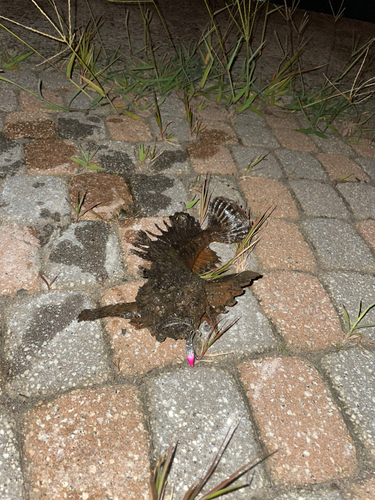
353	333
253	163
79	209
159	476
8	61
214	334
146	155
86	158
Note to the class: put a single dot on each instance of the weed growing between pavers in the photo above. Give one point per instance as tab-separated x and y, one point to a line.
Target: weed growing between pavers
222	65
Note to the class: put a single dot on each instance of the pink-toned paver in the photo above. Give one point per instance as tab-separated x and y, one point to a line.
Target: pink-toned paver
365	148
211	113
19	260
89	444
265	193
136	351
124	128
367	229
109	191
340	165
34	124
301	310
50	157
282	247
217	132
295	414
210	158
29	102
291	139
128	234
281	120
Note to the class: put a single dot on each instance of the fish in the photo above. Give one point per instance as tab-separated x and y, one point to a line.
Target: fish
176	299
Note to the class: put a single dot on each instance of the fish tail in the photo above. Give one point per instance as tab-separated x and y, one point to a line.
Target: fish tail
227	221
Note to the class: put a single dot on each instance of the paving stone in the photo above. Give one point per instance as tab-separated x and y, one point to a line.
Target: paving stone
361	490
170	160
80	127
158	195
325	493
348	289
217	132
86	252
8	101
368	165
136	351
361	198
268	167
128	235
333	145
209	158
301	165
281	120
124	128
319	200
340	165
87	444
296	141
52	79
264	193
34	124
45	348
11	157
212	111
352	373
29	102
301	310
338	246
196	407
367	230
83	102
109	191
19	261
50	157
27	79
172	110
252	332
226	186
365	148
37	199
117	162
295	413
282	247
253	131
11	477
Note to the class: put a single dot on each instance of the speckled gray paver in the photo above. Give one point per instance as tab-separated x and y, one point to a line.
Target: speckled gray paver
348	289
158	195
81	127
252	332
172	110
47	350
361	198
368	165
8	100
116	162
332	145
319	200
82	253
35	199
268	167
196	407
11	156
170	161
301	165
253	130
353	375
338	246
11	478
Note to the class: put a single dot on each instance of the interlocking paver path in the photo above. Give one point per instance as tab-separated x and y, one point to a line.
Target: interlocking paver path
85	408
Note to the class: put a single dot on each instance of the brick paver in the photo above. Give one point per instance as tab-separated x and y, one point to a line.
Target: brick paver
296	415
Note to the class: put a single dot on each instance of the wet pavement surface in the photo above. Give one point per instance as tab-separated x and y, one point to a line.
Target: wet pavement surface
86	408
